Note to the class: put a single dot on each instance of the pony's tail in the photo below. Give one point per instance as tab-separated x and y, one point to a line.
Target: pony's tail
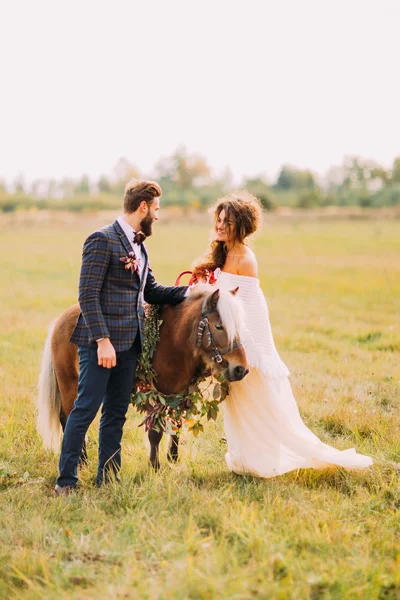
49	400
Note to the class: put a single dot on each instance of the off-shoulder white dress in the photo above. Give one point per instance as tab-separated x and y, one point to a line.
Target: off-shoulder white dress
265	433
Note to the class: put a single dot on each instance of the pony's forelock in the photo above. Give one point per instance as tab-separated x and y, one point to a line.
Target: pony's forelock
231	312
230	309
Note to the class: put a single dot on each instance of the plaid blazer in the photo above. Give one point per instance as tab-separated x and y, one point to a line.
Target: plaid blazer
112	298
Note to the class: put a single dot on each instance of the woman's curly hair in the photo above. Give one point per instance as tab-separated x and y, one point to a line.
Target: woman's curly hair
245	213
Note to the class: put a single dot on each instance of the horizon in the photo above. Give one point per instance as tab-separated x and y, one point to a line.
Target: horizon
112	173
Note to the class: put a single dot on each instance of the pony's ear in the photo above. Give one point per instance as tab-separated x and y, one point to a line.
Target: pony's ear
213	300
235	291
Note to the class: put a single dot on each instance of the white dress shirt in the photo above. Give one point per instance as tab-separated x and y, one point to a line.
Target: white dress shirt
137	248
130	234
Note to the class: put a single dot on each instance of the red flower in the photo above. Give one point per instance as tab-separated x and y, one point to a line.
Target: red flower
204	276
211	278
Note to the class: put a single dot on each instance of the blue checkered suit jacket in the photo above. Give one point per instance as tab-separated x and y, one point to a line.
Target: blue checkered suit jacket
112	298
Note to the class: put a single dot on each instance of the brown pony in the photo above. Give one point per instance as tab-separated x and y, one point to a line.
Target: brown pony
185	348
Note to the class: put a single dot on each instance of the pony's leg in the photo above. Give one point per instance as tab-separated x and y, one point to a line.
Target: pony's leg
154	439
173	447
63	421
83	461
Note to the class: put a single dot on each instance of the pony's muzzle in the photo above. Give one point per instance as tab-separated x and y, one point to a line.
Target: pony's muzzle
239	373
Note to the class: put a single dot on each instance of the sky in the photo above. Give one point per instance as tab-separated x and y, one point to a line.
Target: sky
249	84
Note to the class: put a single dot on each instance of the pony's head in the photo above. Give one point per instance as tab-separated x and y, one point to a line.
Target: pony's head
219	332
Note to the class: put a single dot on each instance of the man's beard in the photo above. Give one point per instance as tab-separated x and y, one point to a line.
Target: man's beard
146	225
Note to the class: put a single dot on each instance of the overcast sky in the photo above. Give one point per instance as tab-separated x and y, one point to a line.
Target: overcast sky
250	84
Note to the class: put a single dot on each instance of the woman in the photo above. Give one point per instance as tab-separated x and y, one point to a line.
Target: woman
265	433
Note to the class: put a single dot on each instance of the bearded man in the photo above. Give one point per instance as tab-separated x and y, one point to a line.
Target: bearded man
115	281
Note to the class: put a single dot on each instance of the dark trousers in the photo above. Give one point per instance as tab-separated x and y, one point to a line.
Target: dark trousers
98	385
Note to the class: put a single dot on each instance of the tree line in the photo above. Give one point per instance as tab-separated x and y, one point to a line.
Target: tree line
188	181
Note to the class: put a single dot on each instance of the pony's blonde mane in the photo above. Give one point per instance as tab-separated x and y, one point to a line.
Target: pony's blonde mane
230	309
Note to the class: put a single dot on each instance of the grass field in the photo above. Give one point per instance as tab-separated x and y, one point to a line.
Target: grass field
195	530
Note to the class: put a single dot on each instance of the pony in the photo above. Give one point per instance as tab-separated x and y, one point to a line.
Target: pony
201	333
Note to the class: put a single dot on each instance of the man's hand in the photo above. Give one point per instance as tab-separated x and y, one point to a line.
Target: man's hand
106	354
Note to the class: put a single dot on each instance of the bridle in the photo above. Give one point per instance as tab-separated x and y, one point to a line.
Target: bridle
204	326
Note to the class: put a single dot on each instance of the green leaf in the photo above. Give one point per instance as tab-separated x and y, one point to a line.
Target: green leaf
224	390
217	391
168	428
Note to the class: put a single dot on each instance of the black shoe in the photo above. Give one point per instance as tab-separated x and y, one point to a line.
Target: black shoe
65	490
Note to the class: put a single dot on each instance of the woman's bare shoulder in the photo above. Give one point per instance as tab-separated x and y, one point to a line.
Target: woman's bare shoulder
248	264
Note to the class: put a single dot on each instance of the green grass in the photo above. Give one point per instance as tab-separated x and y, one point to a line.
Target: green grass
194	530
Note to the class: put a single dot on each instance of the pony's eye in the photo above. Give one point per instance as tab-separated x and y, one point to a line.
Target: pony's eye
219	327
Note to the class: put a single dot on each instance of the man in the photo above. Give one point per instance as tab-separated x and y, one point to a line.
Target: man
115	281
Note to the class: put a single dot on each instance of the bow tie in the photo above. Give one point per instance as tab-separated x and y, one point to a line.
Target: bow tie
139	238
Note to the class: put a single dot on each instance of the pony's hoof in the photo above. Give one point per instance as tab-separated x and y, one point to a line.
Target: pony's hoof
155	464
172	457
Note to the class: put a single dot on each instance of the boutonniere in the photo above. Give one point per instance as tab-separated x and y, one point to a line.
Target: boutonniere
131	262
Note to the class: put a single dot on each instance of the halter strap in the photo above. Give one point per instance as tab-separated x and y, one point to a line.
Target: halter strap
204	325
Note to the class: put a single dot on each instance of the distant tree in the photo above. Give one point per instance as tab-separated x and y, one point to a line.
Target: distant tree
364	199
285	179
364	183
378	173
226	180
185	177
3	188
185	170
67	187
306	180
310	199
208	194
360	174
83	186
19	185
35	188
40	188
395	178
262	190
164	173
104	185
295	179
52	188
124	171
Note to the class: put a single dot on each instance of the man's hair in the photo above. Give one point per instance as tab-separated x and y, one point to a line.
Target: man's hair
139	191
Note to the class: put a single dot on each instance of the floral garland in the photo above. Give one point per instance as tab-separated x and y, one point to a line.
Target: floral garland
169	413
